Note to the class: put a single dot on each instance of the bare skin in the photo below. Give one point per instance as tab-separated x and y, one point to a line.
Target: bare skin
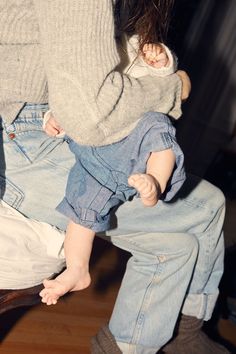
78	245
147	186
151	184
155	55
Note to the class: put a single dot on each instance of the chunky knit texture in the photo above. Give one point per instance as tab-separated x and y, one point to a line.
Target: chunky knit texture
104	343
68	46
191	339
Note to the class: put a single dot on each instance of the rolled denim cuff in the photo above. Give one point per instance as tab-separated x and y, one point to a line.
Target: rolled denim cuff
200	305
85	217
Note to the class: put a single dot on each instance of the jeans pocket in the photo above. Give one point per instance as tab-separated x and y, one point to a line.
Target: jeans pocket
10	193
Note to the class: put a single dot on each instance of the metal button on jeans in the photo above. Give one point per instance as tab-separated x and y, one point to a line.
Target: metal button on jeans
12	136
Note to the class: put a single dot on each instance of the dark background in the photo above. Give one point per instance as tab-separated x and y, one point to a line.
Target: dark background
203	35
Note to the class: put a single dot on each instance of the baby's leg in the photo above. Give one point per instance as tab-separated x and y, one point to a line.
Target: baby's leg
151	184
78	246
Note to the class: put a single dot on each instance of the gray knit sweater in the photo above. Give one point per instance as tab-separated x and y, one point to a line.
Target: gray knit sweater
67	48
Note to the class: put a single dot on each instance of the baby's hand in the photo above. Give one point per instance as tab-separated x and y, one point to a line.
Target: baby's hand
155	55
51	126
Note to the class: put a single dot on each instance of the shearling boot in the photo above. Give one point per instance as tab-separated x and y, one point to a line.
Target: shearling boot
104	343
190	339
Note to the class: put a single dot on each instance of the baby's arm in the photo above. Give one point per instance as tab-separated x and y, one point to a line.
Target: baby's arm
51	126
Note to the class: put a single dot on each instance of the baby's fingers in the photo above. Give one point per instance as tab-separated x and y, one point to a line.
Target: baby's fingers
161	60
50	130
157	49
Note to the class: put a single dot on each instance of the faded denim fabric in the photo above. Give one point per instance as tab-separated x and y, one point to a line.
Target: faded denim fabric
98	181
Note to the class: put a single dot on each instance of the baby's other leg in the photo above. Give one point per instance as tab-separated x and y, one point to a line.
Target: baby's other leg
78	247
160	166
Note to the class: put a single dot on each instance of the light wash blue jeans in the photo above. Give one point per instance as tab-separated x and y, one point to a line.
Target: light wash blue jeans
176	248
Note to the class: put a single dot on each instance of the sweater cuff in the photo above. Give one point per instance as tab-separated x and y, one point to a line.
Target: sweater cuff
165	70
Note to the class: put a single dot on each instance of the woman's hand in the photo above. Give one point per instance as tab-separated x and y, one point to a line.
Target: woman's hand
186	84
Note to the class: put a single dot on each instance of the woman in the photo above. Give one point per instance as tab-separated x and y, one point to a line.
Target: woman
64	52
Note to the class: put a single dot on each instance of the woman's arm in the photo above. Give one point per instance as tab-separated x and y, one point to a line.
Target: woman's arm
94	103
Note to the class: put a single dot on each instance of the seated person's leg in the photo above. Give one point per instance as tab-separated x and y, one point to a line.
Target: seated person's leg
34	168
33	175
197	215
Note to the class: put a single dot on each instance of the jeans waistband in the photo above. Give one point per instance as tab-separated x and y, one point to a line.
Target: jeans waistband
30	117
33	111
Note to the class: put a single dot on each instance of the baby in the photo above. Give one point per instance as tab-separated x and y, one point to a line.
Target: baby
148	163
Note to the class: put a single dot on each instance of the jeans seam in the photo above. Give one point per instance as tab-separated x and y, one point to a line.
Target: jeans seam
200	204
141	247
13	190
22	152
145	303
52	164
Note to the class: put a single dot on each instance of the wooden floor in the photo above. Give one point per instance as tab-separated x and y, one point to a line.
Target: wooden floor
68	326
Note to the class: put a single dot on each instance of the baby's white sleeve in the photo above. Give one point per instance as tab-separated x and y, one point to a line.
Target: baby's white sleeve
137	67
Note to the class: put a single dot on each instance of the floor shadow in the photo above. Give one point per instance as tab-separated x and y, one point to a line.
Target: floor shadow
9	319
108	277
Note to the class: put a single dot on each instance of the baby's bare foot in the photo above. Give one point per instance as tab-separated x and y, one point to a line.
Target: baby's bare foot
147	186
69	280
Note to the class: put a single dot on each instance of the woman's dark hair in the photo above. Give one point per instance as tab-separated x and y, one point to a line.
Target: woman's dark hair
147	18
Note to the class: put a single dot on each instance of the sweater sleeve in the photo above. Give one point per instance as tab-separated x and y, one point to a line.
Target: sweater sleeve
135	65
94	103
